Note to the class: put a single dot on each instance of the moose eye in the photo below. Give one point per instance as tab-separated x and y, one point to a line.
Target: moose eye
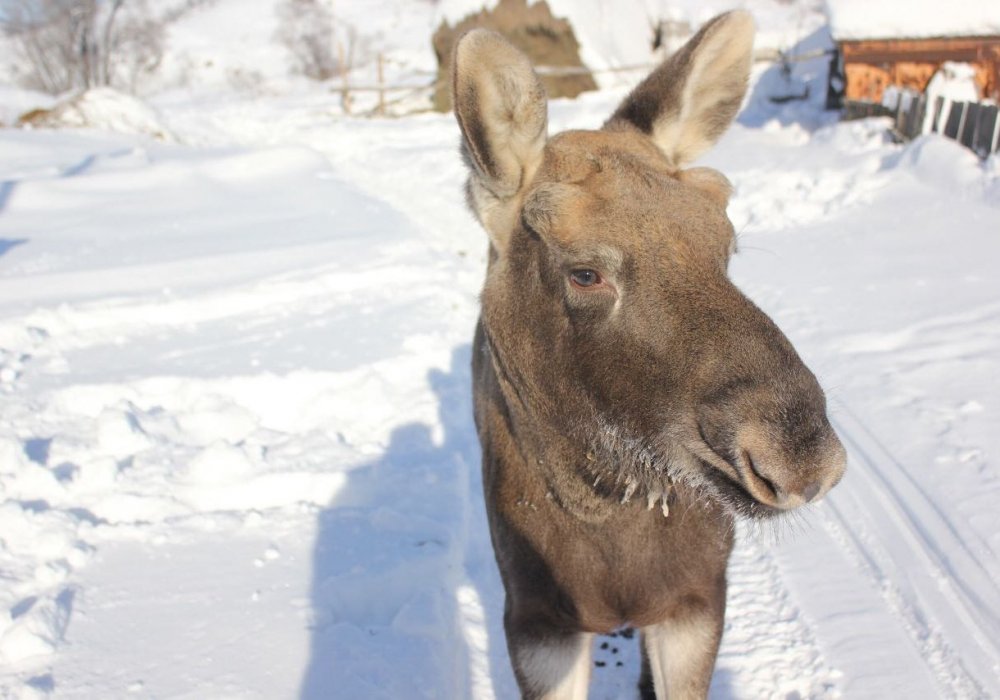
584	278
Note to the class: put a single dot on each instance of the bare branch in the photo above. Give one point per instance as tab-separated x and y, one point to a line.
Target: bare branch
77	44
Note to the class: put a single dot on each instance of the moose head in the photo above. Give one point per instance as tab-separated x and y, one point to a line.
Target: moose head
607	300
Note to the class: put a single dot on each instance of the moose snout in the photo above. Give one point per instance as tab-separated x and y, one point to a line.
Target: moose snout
762	414
786	476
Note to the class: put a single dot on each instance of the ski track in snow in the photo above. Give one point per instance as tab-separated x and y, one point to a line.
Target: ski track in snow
165	449
913	559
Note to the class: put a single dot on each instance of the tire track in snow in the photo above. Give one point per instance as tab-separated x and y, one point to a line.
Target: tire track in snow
910	551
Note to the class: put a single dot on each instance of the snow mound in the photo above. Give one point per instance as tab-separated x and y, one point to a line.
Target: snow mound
945	165
105	109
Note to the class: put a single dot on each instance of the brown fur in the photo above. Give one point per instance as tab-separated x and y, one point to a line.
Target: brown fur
660	391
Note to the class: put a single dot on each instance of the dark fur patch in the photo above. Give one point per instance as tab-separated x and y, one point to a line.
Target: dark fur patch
477	141
658	96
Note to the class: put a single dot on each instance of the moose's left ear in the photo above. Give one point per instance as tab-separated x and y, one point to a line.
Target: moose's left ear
501	109
687	103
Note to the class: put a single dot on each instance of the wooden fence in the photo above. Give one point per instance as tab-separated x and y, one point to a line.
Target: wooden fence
402	92
973	124
388	95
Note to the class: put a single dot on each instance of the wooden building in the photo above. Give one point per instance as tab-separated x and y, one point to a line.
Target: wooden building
904	44
870	65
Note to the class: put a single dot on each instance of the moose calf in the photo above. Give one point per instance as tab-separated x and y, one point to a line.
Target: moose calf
630	401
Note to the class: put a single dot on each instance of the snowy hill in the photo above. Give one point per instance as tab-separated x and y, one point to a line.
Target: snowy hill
237	456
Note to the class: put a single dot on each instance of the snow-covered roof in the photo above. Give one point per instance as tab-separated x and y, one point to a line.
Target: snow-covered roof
913	19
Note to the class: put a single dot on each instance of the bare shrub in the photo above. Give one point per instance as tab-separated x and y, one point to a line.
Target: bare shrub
134	50
79	44
322	47
306	29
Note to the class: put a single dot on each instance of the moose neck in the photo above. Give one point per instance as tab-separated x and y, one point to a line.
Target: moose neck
587	466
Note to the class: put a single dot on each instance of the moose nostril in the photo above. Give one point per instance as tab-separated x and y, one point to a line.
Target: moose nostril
748	459
811	491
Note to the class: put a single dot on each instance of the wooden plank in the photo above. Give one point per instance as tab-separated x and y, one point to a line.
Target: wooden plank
996	136
899	115
982	142
936	121
915	117
969	125
861	109
954	123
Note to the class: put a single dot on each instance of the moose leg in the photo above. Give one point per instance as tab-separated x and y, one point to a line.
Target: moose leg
555	667
679	654
646	689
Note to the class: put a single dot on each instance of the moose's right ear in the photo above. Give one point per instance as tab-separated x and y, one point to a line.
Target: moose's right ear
686	104
500	105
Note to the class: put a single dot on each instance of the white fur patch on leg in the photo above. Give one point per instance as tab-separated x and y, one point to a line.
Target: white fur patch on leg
557	670
682	656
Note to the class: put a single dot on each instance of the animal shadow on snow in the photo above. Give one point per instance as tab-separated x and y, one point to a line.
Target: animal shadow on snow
392	550
6	190
8	243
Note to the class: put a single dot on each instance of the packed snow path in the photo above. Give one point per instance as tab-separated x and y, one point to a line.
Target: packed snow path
236	449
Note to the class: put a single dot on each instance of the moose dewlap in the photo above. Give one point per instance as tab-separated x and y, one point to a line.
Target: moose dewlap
630	401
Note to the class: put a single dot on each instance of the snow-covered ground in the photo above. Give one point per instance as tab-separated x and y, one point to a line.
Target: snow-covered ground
237	457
